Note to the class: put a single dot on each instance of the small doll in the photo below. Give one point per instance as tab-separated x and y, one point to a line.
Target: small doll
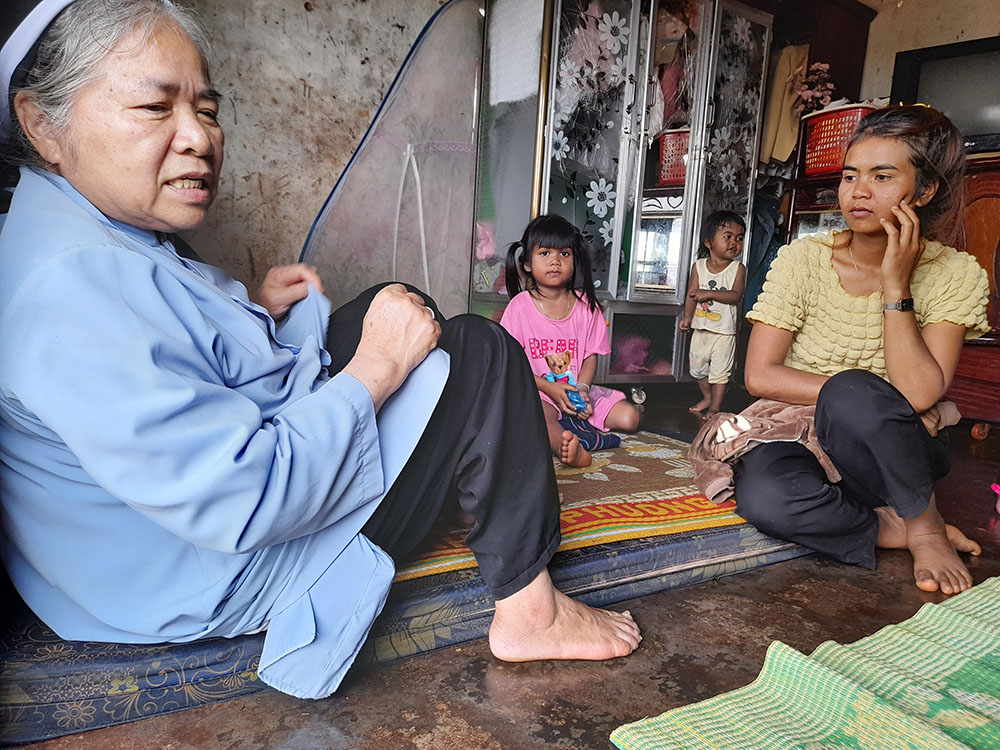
559	370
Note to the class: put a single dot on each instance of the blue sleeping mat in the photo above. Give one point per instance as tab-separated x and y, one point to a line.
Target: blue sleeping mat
50	687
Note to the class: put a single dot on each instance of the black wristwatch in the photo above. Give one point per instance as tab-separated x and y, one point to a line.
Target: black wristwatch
903	305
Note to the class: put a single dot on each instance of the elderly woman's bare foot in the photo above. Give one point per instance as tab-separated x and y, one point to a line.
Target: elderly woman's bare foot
571	452
539	622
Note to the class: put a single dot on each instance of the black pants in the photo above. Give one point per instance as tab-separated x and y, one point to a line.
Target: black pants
486	447
883	452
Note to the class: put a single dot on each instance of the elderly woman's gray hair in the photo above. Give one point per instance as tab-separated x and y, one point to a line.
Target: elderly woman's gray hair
72	48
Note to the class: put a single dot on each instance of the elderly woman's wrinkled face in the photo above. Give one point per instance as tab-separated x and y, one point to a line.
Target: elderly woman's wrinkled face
144	144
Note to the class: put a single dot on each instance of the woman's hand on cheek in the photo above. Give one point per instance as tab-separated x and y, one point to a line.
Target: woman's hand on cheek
283	286
902	251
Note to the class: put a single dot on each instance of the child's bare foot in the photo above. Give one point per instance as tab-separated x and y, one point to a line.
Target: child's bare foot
571	452
700	406
934	546
539	622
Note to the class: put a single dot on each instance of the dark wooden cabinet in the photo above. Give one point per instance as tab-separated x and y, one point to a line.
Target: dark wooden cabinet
836	32
976	387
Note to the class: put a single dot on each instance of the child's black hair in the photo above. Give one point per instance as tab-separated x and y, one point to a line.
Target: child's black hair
549	230
713	223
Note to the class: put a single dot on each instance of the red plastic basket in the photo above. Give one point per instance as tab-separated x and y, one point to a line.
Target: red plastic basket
673	151
826	138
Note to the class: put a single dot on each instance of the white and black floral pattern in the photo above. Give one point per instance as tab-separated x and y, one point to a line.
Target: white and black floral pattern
733	137
588	107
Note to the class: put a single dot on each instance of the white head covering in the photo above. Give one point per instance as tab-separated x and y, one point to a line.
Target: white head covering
21	28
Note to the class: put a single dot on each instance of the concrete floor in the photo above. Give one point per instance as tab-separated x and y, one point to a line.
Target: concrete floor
698	641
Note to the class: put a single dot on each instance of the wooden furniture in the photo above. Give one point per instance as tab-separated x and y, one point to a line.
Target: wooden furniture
836	32
976	387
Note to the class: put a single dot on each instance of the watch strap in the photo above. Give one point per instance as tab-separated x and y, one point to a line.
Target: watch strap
904	305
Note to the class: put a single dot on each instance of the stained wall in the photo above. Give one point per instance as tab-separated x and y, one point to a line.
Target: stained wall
302	80
912	24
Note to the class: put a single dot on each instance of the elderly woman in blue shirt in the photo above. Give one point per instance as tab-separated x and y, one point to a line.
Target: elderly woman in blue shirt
179	460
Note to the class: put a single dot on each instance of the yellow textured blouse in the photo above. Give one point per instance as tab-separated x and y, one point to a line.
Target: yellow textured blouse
836	331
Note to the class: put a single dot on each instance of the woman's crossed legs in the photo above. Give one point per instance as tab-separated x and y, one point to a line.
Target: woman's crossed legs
889	463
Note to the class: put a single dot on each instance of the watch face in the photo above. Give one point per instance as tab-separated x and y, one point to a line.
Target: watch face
906	304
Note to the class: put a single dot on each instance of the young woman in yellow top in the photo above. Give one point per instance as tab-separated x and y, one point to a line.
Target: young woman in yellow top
868	324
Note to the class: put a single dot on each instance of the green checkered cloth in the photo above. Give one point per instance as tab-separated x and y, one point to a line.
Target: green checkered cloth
930	682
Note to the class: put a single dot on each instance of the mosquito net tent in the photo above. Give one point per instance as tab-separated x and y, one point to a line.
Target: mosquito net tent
403	207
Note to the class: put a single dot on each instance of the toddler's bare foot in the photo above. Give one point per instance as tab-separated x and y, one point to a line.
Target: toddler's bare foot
571	452
700	406
539	622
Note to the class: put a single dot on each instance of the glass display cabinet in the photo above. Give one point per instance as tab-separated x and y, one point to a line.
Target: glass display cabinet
649	115
630	118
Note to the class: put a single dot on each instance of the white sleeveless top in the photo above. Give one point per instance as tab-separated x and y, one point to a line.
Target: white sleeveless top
713	315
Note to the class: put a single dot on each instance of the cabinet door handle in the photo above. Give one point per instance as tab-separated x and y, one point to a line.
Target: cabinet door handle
635	94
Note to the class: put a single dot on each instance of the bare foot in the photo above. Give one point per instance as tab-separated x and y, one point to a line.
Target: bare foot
700	406
936	565
571	452
934	546
539	622
892	533
891	529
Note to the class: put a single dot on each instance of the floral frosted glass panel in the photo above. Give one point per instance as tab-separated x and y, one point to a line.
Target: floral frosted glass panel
587	117
403	207
671	77
736	92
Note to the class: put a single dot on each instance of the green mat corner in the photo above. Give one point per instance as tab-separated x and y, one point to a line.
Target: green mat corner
929	682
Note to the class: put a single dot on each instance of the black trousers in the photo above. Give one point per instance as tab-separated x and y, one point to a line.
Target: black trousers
883	452
486	448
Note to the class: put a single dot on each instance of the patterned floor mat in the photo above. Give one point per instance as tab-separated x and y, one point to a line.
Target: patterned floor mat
644	488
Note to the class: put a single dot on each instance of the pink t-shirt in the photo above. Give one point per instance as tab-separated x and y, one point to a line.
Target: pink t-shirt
583	333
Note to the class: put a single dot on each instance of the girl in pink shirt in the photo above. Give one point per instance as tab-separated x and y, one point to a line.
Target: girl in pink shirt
561	328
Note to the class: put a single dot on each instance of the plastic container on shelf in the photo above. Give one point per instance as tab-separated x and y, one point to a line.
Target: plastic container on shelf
827	133
673	158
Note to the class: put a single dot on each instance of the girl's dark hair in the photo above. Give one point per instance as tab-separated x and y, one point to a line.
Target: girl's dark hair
713	223
937	153
549	230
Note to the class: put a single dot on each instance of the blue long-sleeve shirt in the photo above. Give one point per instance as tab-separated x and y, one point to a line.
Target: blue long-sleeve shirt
172	465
